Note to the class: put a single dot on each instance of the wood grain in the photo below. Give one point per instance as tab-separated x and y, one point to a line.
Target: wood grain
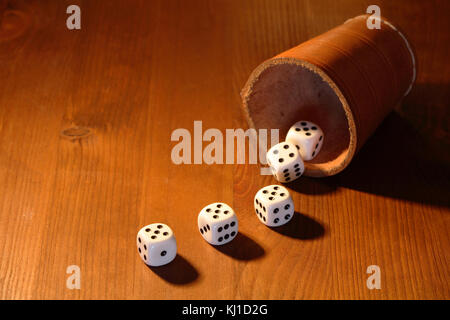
85	124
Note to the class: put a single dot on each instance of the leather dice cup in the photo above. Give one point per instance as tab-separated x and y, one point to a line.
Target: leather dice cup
346	80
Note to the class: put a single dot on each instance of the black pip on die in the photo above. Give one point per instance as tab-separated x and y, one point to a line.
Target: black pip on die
274	205
307	138
285	162
218	223
156	244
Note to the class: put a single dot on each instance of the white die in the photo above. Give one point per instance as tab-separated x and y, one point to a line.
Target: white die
274	205
285	162
156	244
217	223
307	137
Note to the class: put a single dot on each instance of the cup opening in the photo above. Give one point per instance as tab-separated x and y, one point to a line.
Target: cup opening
282	91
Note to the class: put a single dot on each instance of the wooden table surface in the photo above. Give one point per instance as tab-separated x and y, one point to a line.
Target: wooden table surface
86	118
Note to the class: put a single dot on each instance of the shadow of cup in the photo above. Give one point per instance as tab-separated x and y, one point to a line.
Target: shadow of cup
400	163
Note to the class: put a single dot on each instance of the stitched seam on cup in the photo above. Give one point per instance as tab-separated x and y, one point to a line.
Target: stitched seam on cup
359	70
408	46
371	44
